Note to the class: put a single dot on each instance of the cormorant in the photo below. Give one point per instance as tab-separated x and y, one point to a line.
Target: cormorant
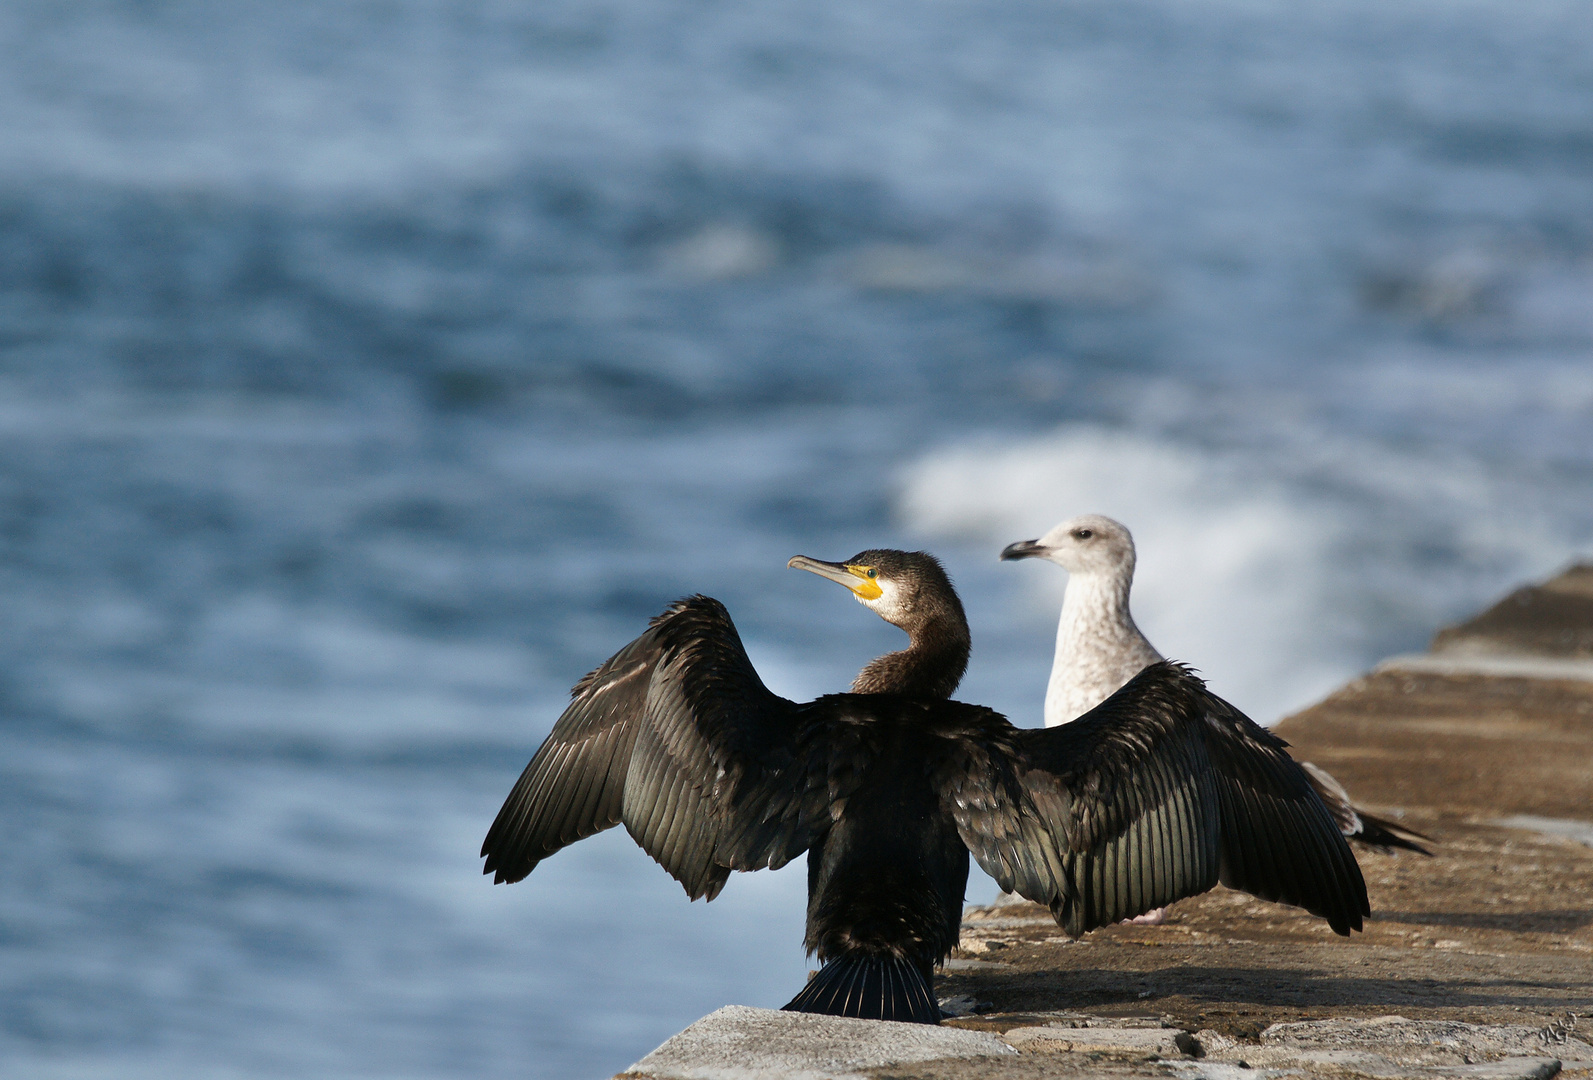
1161	792
1098	649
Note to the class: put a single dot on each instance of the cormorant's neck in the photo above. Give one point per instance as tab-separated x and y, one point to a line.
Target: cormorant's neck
931	666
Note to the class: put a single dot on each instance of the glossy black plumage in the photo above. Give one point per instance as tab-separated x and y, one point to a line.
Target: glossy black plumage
1157	794
870	988
676	736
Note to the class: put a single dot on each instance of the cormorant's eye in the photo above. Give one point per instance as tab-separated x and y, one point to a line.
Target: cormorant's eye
871	572
1082	534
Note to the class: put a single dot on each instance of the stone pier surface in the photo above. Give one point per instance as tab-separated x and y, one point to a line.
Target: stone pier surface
1476	963
741	1043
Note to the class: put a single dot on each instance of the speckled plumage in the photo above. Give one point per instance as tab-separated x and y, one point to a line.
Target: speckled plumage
1099	648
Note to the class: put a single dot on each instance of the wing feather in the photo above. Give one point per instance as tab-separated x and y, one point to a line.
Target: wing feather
1157	794
677	737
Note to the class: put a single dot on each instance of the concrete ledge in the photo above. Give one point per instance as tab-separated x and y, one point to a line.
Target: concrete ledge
1388	1048
1339	1065
1417	1039
742	1043
1133	1042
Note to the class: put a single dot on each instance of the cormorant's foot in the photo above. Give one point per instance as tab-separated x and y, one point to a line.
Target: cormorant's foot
1151	918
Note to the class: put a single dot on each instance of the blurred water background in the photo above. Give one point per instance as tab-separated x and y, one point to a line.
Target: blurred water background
369	371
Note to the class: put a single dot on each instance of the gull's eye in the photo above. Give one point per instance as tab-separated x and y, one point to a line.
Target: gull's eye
1082	534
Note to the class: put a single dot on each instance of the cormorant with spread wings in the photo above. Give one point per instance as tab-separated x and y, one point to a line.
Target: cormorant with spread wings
1159	793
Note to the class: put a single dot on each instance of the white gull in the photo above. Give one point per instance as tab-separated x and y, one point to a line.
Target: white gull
1099	648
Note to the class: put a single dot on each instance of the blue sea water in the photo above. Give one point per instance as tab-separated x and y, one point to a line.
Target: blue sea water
370	371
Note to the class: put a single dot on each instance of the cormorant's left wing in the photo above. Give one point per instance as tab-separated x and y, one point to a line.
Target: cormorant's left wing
1156	794
677	737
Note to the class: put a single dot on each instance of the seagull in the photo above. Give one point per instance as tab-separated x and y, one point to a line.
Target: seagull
1099	648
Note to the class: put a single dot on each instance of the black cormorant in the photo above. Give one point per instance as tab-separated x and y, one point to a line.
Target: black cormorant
1161	792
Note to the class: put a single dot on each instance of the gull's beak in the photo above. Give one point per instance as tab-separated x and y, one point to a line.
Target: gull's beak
856	579
1023	549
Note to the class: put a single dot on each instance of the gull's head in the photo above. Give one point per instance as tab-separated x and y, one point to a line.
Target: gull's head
902	587
1089	544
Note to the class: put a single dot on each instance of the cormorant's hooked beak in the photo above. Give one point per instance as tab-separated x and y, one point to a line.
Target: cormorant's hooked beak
1023	549
857	578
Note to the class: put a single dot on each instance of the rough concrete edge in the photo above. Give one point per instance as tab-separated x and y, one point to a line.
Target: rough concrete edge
680	1058
800	1046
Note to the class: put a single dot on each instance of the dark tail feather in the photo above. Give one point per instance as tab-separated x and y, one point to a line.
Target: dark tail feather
1355	823
870	988
1383	835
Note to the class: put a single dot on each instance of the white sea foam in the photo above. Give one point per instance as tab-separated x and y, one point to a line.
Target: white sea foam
1275	574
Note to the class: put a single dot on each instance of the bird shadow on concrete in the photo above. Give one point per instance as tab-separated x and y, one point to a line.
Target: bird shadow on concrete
1268	986
1562	920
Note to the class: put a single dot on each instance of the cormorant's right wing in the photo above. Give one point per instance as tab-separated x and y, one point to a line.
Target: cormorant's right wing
676	736
1156	794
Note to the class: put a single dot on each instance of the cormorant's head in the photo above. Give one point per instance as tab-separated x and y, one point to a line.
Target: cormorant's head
1091	544
905	588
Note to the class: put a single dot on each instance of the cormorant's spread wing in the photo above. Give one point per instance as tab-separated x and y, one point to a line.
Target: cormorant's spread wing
676	736
1156	794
